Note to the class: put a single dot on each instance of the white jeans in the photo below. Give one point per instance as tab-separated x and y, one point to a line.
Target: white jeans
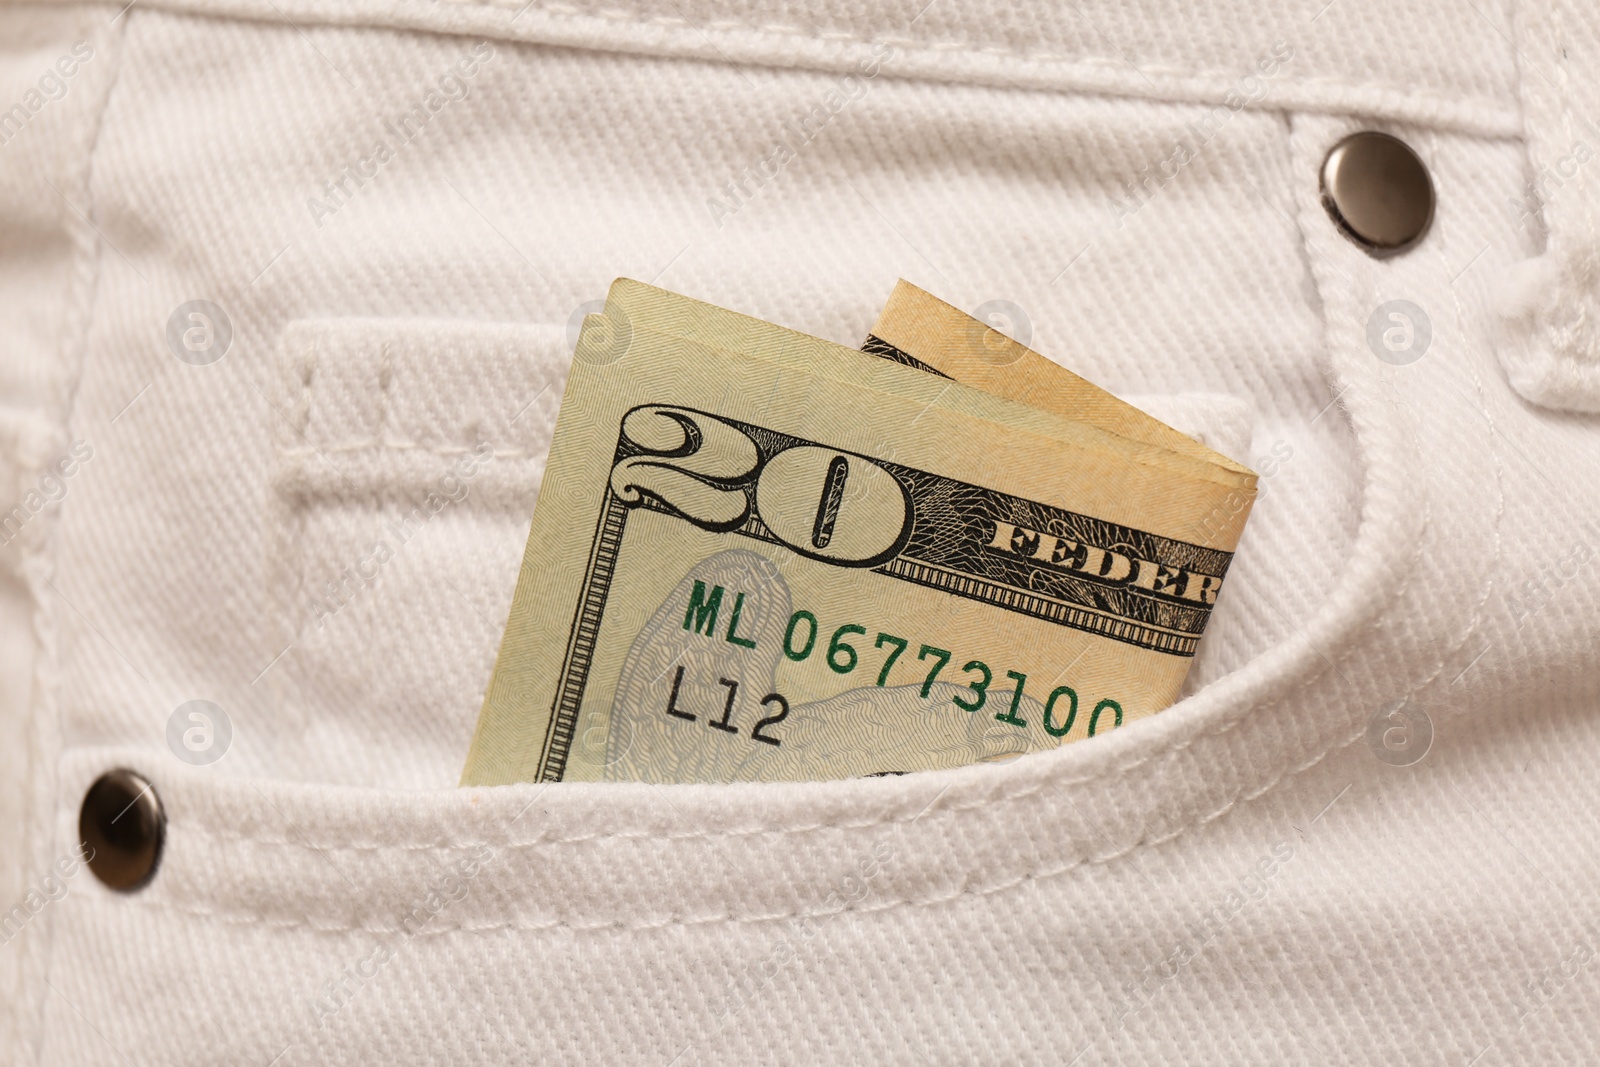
402	209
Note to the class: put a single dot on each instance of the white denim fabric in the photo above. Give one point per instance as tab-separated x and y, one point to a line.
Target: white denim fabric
1238	879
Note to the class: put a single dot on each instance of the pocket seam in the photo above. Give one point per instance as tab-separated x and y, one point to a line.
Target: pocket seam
1038	874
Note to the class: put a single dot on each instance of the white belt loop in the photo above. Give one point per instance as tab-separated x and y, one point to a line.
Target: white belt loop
1550	337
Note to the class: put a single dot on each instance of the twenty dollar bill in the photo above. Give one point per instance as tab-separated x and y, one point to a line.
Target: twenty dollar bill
757	555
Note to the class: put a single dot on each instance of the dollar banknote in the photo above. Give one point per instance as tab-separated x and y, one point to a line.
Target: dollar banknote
758	555
919	330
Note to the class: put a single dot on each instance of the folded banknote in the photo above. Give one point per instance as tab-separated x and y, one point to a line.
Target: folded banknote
759	555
